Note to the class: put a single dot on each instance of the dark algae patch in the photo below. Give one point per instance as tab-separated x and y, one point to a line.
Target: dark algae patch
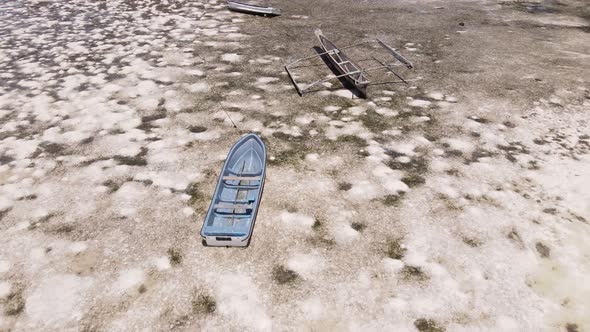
62	229
413	180
174	256
321	242
203	304
472	242
395	249
317	225
137	160
283	136
413	273
112	185
352	139
570	327
196	195
344	186
374	122
358	226
15	303
5	159
509	124
428	325
392	200
142	289
52	148
543	250
197	129
417	165
146	121
283	275
290	156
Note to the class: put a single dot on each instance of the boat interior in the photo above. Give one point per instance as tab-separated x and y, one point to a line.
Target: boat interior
344	62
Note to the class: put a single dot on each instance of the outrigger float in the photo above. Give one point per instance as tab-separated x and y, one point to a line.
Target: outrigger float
345	67
233	209
253	9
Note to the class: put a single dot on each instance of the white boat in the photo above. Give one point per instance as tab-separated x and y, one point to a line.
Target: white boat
253	9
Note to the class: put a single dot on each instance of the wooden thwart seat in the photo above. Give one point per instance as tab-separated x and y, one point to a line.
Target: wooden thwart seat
233	206
241	178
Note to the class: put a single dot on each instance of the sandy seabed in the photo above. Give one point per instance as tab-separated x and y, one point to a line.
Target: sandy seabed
459	202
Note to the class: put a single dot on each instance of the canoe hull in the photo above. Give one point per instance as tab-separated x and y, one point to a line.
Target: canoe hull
232	213
343	64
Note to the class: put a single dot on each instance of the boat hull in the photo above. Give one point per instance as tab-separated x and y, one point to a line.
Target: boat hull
232	213
252	9
343	64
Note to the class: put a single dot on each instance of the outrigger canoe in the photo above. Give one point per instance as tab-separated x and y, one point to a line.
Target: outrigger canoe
253	9
233	209
352	72
345	67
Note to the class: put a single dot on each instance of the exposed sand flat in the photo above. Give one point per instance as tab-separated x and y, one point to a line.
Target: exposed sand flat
460	202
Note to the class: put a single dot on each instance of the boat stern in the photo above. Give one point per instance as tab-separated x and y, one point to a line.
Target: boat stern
226	241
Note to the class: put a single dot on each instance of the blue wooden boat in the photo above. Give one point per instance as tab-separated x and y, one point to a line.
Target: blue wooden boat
232	212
